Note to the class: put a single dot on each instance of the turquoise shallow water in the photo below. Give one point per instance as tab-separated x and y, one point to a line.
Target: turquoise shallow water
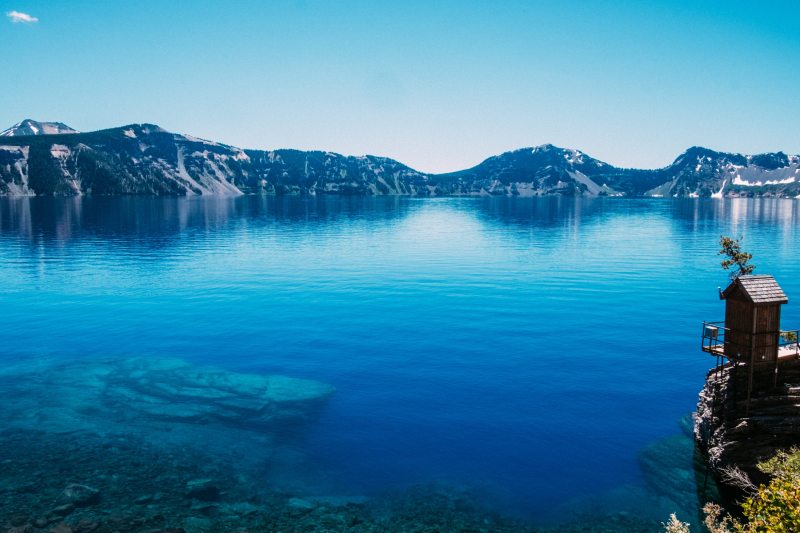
533	349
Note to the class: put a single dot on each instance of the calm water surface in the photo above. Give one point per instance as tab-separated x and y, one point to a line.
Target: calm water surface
529	347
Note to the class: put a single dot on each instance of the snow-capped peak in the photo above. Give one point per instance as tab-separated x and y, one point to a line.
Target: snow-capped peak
33	127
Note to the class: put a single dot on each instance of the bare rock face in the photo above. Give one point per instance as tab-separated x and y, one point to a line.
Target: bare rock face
733	434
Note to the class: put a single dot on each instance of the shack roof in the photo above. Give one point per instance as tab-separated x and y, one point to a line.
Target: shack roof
761	289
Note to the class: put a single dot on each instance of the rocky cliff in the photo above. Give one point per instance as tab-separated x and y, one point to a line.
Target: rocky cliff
730	433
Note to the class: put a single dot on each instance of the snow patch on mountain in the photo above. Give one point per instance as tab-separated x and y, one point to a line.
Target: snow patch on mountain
15	149
59	151
718	194
739	181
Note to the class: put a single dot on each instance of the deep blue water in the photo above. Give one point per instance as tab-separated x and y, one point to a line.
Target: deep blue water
531	347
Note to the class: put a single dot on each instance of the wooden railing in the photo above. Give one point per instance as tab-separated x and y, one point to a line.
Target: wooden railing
716	338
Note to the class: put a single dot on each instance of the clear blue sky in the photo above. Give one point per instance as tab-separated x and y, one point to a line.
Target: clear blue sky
437	85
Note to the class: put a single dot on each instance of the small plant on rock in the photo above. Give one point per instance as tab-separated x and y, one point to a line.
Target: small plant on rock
676	526
717	521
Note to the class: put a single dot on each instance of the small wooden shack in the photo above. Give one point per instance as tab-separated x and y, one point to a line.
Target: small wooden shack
753	319
751	340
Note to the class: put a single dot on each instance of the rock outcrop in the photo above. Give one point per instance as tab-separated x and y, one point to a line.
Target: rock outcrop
733	434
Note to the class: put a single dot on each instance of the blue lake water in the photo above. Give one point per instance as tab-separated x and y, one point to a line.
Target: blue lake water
532	348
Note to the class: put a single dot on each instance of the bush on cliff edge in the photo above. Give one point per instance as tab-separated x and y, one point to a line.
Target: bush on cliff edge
774	507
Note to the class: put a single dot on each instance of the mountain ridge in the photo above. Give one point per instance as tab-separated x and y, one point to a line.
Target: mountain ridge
33	127
145	159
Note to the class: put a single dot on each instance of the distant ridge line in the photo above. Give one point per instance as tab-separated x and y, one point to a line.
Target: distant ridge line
47	159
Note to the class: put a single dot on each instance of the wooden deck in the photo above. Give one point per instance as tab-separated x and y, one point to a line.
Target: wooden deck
784	352
716	349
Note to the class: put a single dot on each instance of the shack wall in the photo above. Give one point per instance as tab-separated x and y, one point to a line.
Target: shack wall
739	323
752	330
768	325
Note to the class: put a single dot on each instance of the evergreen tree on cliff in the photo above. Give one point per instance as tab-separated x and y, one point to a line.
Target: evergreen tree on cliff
736	260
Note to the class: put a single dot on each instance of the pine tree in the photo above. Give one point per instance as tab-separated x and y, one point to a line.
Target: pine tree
736	258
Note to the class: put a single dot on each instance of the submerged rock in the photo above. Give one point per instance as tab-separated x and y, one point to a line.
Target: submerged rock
204	508
242	509
144	499
26	528
18	520
673	470
63	510
195	524
299	506
89	526
176	391
90	395
80	495
202	489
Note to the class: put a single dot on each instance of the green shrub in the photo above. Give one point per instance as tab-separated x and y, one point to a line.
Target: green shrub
771	508
776	506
